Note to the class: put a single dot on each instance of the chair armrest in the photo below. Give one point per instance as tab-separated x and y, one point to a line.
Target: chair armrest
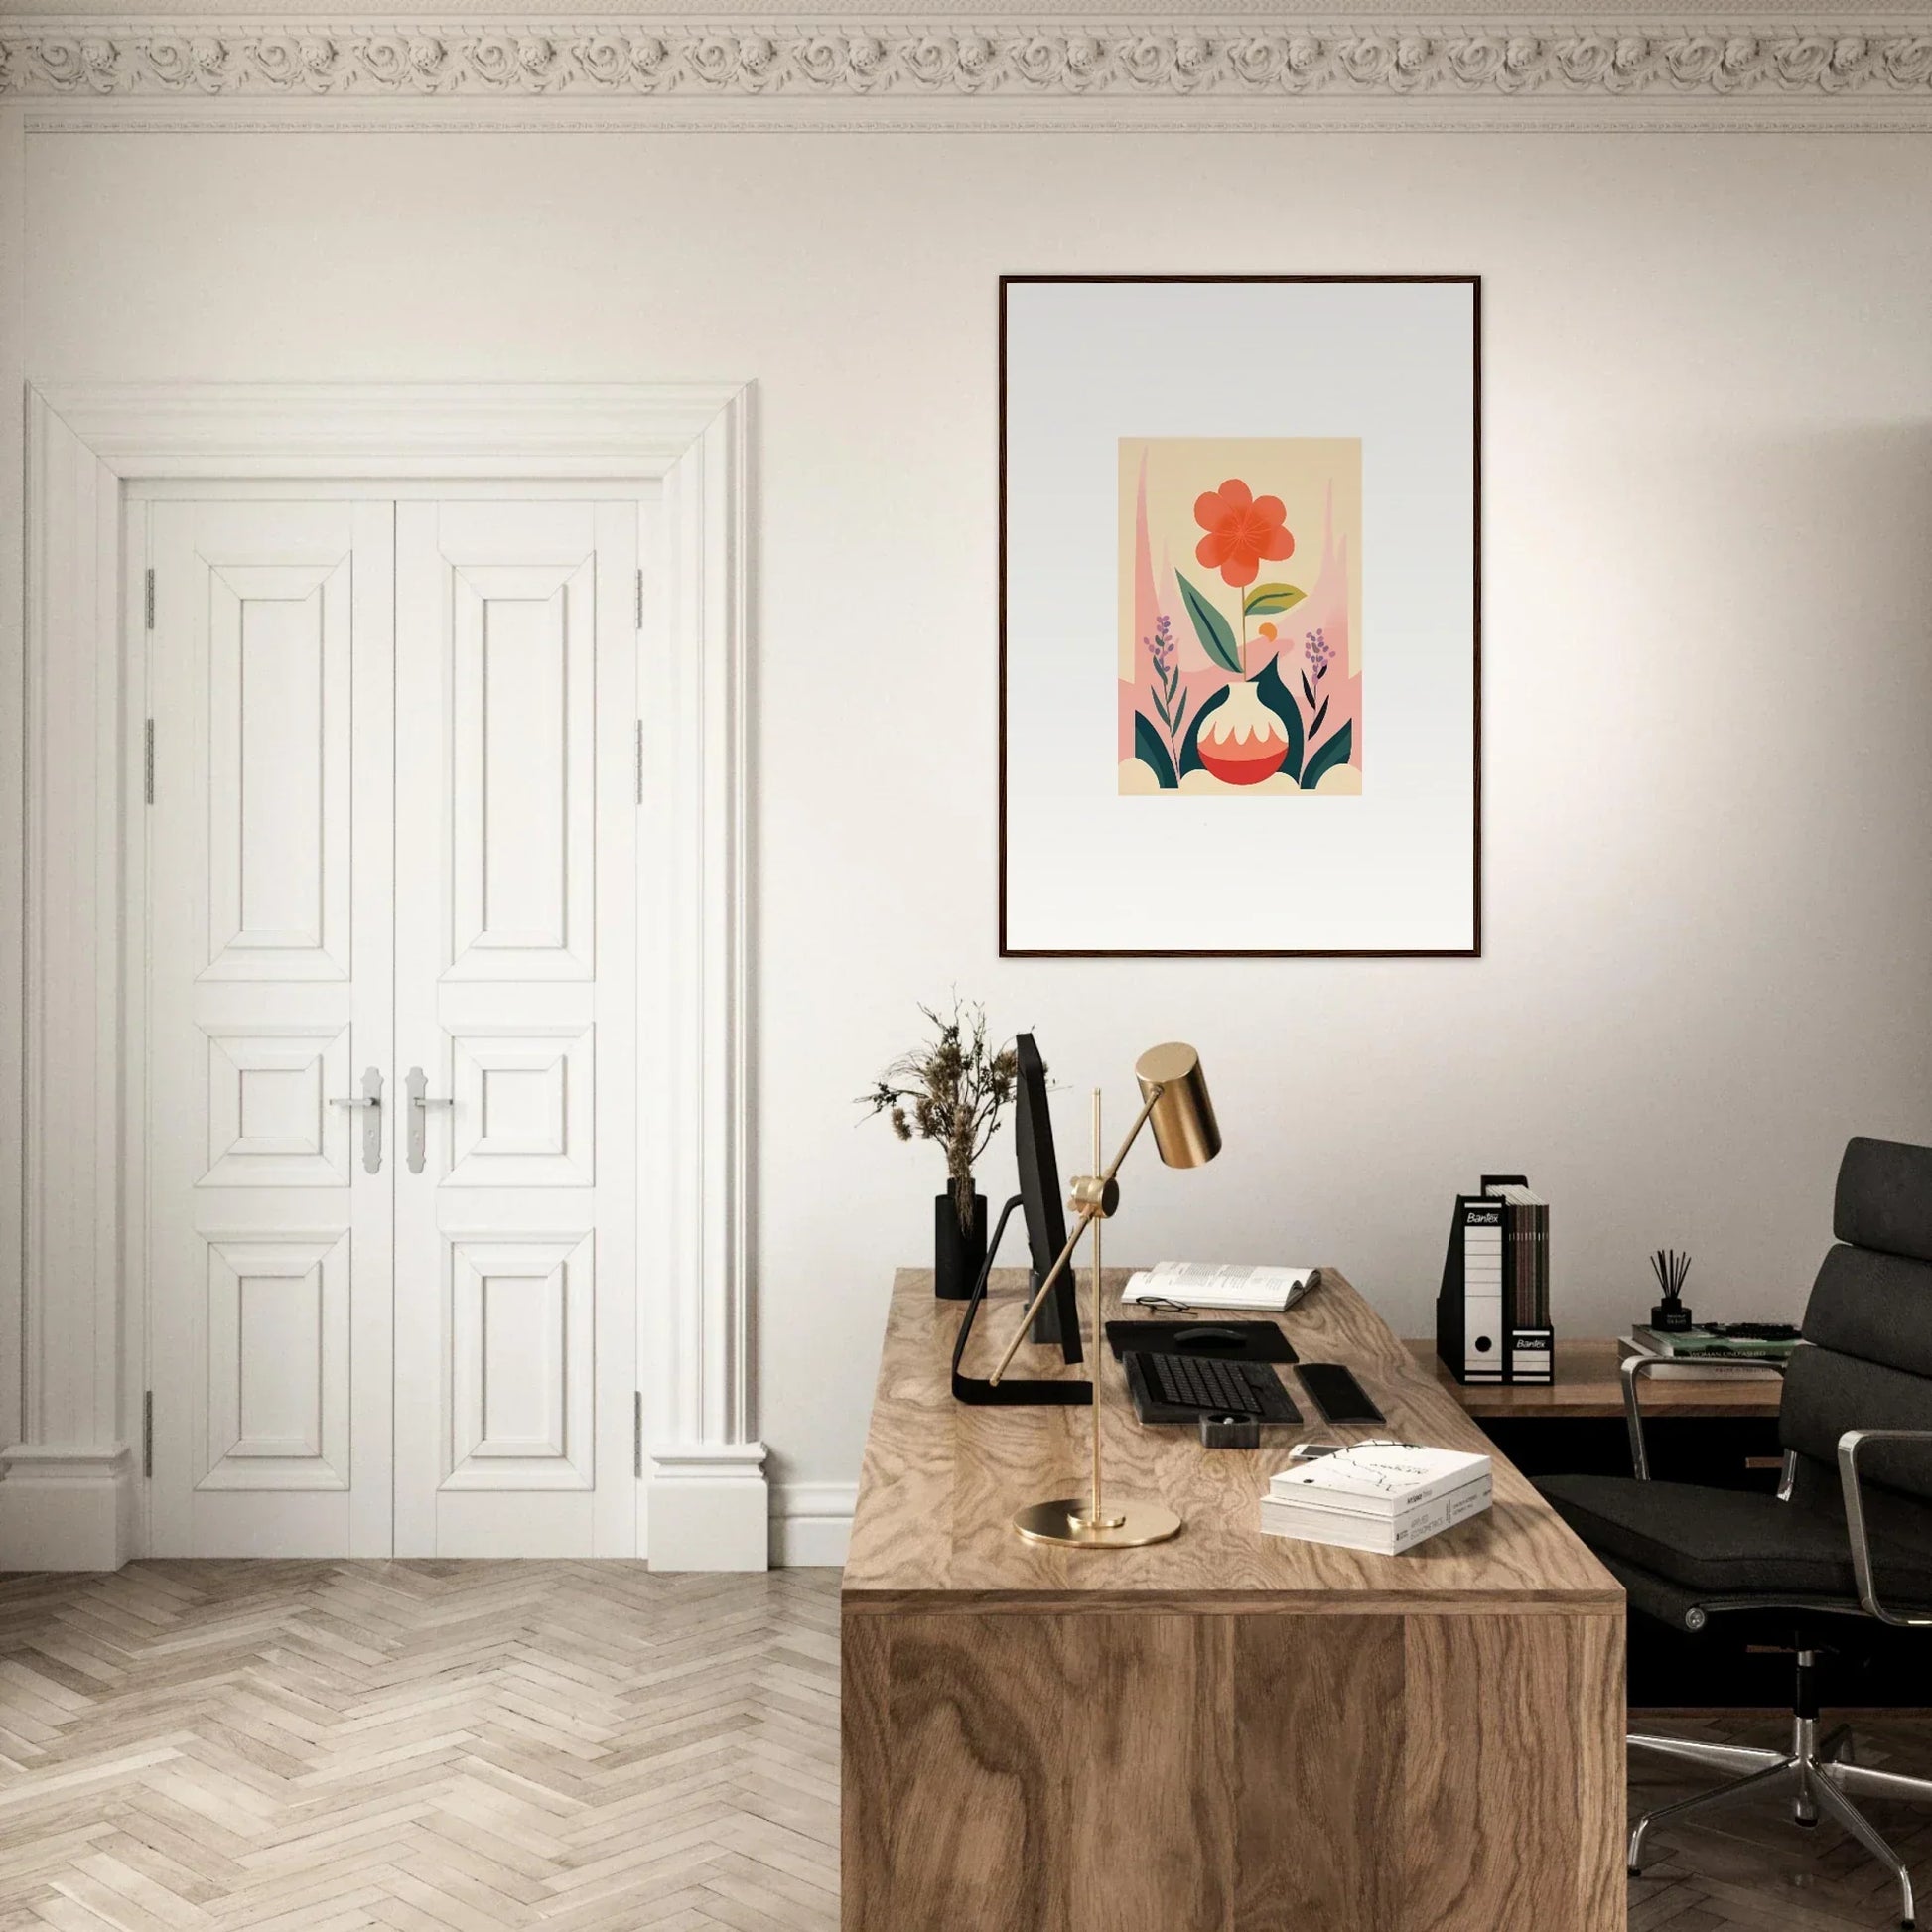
1635	1367
1848	1446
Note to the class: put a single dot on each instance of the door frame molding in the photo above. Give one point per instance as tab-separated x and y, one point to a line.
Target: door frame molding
71	1489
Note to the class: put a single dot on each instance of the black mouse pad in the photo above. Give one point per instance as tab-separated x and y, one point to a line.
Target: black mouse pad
1228	1342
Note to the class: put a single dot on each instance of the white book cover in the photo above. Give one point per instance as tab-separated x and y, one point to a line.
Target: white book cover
1215	1285
1381	1477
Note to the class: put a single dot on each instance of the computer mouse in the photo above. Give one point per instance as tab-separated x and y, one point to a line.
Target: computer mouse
1208	1337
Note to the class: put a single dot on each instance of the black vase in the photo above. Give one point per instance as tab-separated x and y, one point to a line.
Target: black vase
957	1255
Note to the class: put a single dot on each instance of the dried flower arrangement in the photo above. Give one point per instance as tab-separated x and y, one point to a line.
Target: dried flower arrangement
951	1090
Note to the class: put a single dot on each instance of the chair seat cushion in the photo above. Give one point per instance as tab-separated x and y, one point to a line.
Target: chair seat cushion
1728	1541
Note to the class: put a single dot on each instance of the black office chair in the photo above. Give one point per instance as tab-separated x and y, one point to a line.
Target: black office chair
1849	1535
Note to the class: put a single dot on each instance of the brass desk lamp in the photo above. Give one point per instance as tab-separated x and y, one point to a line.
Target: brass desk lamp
1174	1102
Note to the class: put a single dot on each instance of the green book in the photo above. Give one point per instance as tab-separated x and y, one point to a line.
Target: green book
1701	1341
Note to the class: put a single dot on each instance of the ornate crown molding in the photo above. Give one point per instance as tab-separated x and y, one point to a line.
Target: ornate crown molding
1238	64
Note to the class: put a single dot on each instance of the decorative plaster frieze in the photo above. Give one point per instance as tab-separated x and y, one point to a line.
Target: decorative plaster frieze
1241	62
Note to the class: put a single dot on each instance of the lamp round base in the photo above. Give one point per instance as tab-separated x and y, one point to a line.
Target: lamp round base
1065	1521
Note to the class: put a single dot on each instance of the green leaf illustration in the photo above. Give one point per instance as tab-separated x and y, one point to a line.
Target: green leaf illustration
1216	638
1333	753
1270	689
1268	600
1190	745
1152	753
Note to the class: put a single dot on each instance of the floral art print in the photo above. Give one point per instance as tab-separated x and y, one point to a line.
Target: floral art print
1240	642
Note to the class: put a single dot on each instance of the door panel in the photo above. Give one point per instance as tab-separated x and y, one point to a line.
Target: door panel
278	1404
270	894
522	820
278	773
525	1107
516	1318
520	1313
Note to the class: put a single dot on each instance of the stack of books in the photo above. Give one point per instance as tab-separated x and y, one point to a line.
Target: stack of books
1381	1496
1683	1353
1526	1256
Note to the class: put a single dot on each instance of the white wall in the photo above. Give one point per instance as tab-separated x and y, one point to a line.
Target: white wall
1708	685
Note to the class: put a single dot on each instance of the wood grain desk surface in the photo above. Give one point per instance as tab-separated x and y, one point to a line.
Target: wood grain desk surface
1588	1385
941	1479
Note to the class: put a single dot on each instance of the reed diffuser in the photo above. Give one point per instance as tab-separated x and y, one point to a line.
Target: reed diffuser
1669	1316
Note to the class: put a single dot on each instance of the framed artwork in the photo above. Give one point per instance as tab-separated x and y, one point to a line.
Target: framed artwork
1240	615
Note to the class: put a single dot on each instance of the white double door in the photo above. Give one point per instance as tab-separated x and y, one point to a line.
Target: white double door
391	1063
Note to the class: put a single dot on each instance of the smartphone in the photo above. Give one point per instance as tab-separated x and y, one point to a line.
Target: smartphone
1337	1393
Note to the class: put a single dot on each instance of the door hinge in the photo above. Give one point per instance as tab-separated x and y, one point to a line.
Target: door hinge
150	599
147	762
638	1433
640	600
640	761
147	1434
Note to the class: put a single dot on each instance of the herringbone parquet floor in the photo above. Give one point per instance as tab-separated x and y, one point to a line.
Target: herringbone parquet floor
430	1746
588	1747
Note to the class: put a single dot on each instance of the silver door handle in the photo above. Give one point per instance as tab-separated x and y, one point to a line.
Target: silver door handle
371	1098
420	1103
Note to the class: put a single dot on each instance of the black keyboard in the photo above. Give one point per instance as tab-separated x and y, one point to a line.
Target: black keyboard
1205	1385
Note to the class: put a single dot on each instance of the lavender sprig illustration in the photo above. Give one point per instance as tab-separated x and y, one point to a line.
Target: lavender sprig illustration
1169	698
1315	650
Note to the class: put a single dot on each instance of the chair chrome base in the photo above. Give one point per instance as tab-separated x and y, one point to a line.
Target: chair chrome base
1819	1773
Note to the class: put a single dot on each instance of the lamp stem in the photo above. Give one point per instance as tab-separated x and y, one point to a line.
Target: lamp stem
1093	1515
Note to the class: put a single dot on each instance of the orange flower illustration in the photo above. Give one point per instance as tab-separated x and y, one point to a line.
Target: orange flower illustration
1242	528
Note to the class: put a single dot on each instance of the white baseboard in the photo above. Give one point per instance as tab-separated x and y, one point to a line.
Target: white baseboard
709	1507
65	1508
74	1509
811	1524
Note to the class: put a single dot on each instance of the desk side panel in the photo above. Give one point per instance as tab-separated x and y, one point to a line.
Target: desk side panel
1513	1774
1318	1727
865	1772
1154	1773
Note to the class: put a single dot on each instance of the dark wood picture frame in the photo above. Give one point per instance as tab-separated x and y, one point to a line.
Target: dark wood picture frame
1474	949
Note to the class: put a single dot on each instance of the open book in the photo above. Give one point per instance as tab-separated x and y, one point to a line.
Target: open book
1211	1285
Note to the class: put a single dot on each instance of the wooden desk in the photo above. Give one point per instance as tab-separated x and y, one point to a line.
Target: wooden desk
1587	1386
1228	1733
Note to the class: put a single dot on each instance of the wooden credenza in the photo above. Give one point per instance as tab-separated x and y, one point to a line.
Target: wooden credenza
1228	1733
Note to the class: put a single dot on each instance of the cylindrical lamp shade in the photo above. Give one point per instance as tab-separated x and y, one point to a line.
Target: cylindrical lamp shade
1185	1128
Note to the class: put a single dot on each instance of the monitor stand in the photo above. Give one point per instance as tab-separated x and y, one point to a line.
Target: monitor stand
1011	1391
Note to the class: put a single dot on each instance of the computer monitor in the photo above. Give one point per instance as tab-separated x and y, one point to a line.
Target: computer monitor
1039	1197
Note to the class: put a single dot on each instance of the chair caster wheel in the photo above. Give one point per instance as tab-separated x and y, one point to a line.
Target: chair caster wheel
1808	1824
1633	1872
